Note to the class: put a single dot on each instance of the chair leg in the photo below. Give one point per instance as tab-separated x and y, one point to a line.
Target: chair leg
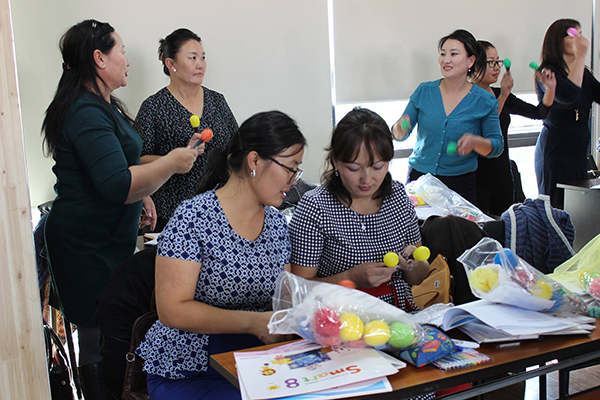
563	383
73	360
542	387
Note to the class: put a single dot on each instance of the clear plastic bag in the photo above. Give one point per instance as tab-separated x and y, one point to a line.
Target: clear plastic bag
435	193
498	275
333	315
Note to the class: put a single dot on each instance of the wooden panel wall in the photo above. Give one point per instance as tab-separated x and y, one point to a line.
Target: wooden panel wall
23	371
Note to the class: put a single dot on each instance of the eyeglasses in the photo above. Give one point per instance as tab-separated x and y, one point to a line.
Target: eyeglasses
495	63
297	172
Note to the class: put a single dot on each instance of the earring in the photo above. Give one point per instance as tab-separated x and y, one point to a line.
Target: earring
174	69
253	173
336	173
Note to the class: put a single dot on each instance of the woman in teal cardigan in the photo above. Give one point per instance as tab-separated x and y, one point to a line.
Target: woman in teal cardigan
458	121
101	188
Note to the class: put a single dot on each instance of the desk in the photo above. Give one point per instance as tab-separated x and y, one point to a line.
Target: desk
583	205
410	381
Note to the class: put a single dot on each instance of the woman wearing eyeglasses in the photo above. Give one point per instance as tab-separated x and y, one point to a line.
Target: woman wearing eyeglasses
453	113
218	259
342	229
495	188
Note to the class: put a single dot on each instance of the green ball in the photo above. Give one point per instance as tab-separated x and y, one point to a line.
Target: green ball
451	149
401	335
534	65
507	63
405	124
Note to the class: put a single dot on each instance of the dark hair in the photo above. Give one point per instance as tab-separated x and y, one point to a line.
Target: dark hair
553	47
171	45
486	45
359	127
79	74
268	133
473	49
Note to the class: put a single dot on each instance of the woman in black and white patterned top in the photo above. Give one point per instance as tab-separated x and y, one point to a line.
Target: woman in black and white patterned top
163	120
342	229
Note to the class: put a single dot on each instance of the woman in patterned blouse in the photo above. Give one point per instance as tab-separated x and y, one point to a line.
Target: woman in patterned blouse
163	120
218	259
342	229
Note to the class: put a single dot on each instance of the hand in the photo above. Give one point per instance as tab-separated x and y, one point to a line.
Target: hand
466	144
148	217
580	46
182	159
406	261
259	329
506	84
371	274
547	78
402	127
195	138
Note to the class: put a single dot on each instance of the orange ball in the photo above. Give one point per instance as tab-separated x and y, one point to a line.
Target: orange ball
347	283
206	135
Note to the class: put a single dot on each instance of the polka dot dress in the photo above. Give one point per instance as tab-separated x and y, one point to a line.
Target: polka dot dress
164	125
329	236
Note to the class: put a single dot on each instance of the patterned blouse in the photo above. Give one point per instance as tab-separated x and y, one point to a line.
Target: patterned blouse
327	235
236	274
164	125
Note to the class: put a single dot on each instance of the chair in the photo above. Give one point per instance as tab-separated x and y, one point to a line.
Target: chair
127	296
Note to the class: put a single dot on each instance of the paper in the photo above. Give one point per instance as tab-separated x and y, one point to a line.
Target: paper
303	367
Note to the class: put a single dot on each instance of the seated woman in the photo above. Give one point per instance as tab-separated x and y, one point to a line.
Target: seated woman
218	259
342	229
163	120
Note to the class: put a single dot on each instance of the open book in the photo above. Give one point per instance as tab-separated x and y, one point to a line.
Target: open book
491	322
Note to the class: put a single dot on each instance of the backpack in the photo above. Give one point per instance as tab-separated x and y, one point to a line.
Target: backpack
437	287
538	233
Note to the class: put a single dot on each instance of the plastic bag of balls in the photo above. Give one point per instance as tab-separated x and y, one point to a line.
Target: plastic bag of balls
582	273
336	316
496	274
436	193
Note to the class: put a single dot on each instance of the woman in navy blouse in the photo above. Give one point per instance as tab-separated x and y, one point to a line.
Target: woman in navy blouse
458	121
218	259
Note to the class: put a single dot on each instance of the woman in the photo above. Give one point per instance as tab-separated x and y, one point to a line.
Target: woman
101	188
218	259
562	148
343	228
495	188
453	113
164	118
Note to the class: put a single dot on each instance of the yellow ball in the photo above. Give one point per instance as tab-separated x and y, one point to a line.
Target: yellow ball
352	328
421	253
542	289
194	121
377	333
483	278
391	259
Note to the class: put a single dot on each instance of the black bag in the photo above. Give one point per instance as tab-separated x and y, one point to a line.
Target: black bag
134	385
59	371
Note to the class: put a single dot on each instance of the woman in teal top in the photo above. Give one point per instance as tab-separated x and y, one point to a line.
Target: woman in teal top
458	121
101	188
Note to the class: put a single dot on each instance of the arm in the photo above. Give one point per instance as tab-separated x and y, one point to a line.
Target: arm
491	142
577	68
409	119
506	85
175	286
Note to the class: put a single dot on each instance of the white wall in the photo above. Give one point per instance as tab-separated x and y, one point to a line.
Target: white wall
385	48
261	54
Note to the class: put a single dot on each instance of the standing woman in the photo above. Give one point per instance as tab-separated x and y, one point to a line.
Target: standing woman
164	118
495	188
453	113
563	145
101	188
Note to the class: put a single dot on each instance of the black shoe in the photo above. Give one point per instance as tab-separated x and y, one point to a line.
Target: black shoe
92	384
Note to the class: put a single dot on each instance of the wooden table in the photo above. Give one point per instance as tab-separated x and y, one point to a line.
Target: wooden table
508	367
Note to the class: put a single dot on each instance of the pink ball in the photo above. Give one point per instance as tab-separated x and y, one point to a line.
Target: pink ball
326	323
524	278
330	341
414	199
594	288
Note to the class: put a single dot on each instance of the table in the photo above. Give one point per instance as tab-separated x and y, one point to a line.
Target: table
508	367
583	205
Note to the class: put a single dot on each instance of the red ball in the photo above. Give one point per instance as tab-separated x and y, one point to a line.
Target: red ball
347	283
594	288
326	323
